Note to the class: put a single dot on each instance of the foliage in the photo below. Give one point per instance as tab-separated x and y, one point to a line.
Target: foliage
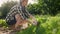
49	7
44	7
3	23
5	8
48	25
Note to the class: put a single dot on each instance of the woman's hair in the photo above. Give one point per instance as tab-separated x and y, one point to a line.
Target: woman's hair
22	1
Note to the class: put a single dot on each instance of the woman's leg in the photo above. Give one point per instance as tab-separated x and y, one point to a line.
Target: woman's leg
20	22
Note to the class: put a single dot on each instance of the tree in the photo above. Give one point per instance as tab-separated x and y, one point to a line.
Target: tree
52	6
45	7
5	8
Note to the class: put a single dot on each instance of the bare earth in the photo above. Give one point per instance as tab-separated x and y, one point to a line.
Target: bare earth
6	31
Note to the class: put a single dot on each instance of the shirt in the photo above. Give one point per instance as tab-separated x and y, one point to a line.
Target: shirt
17	9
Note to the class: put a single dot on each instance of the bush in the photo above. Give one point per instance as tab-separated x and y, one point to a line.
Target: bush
47	25
3	23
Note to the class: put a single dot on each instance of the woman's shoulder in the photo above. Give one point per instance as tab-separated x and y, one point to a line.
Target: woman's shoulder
14	7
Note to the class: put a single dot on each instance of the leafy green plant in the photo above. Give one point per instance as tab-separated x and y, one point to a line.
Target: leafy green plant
47	25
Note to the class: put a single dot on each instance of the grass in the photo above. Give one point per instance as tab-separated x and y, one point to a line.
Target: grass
48	25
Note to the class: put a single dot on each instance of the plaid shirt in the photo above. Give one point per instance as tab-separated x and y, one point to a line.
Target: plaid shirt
17	10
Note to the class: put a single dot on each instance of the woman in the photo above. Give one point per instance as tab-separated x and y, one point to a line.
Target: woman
18	15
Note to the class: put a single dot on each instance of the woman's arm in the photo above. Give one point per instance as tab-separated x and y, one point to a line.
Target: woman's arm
33	19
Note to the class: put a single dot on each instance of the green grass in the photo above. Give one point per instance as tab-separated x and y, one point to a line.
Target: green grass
48	25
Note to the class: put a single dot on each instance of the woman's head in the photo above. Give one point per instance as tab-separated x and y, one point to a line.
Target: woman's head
24	2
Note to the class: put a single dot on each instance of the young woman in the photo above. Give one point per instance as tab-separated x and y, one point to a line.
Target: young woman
18	15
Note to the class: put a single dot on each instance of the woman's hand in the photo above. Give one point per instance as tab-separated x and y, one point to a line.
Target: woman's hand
33	20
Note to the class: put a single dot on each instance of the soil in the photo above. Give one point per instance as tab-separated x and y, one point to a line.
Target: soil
6	31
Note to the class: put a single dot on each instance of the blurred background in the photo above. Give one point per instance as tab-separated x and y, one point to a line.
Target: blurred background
47	13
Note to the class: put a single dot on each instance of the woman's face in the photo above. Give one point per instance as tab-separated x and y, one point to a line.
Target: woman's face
24	2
